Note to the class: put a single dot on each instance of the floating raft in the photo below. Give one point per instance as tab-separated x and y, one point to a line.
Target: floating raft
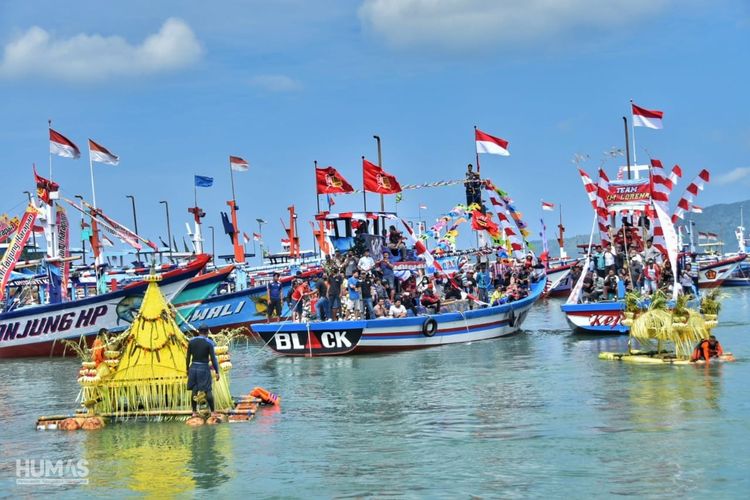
657	358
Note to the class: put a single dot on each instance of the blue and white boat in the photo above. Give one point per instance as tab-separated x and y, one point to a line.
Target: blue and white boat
398	334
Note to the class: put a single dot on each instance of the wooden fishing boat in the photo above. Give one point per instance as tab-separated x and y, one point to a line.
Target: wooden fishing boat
39	330
391	334
713	274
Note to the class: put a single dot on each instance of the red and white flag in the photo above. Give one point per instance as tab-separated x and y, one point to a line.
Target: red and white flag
256	236
238	164
100	154
686	202
548	206
649	118
245	238
589	186
62	146
106	241
490	144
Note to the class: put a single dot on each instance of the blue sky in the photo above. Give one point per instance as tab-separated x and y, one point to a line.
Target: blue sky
175	87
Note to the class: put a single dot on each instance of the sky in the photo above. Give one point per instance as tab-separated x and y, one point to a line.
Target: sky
175	87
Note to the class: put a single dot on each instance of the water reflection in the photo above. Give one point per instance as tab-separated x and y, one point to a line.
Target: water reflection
159	459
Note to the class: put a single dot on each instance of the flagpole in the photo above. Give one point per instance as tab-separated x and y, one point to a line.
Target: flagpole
627	145
50	209
380	164
93	189
475	149
49	128
231	177
195	192
632	126
317	194
364	190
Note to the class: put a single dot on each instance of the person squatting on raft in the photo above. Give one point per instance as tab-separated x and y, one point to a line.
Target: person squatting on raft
707	349
199	350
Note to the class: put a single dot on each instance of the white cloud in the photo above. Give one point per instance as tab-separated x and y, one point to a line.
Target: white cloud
86	58
734	175
462	25
276	83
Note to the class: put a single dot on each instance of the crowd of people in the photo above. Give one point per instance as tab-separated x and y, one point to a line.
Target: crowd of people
360	286
612	273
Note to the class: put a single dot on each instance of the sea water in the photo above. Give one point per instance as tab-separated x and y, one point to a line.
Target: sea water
532	415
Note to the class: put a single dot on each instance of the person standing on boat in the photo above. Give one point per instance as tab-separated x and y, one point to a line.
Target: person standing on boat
365	287
651	252
473	186
335	282
484	282
366	263
600	263
322	305
200	350
650	276
352	285
274	289
686	281
386	270
396	242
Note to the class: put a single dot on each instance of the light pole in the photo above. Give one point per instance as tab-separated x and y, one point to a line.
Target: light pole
135	223
169	228
83	242
33	234
260	233
213	245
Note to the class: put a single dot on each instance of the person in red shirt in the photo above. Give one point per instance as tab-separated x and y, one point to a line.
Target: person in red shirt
430	300
298	300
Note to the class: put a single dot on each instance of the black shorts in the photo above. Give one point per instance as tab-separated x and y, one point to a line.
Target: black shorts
274	308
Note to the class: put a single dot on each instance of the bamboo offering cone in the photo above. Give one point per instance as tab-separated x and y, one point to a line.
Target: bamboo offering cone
151	374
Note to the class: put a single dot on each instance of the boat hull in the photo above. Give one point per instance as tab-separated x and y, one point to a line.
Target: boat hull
40	330
388	335
713	275
600	318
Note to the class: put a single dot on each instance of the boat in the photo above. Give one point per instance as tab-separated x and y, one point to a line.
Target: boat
398	334
238	309
604	318
559	282
39	330
714	274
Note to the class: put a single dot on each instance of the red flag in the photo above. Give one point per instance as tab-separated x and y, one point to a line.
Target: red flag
484	222
649	118
330	181
44	187
379	181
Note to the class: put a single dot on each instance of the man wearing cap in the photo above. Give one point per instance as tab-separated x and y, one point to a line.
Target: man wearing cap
200	349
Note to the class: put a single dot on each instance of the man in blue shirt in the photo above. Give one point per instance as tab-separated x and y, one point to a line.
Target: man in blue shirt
483	283
600	263
352	284
274	289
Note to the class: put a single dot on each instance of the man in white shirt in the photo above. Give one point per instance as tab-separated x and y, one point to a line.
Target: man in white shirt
366	263
398	310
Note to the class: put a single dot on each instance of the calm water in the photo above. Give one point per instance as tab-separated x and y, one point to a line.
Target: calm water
534	415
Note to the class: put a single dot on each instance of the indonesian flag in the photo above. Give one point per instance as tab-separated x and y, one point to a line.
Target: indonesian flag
697	210
378	180
61	146
489	144
256	236
643	117
329	180
702	235
106	241
245	237
100	154
548	206
238	164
